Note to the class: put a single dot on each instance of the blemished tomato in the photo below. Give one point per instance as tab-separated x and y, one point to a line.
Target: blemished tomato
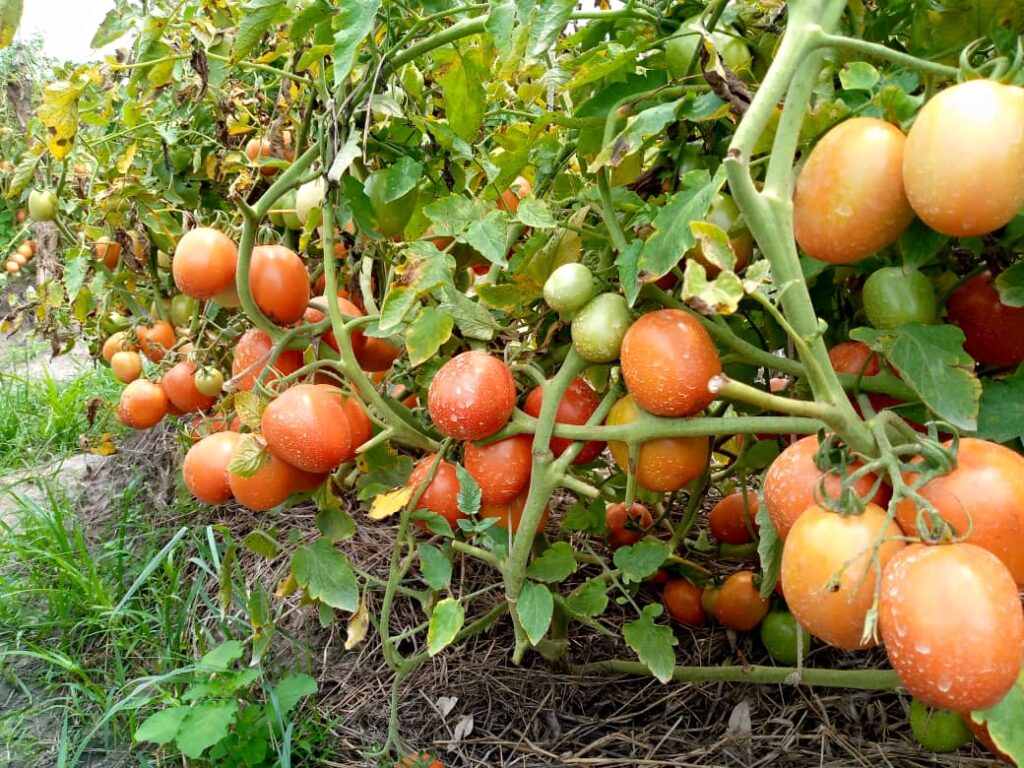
251	359
779	631
205	468
793	483
273	482
624	527
108	251
739	604
472	396
142	405
984	492
977	122
391	215
732	519
510	514
728	43
952	624
849	201
204	263
994	332
209	381
502	468
938	730
421	760
665	463
180	385
829	575
307	426
377	355
509	200
667	361
442	495
155	340
683	602
578	404
569	287
127	366
279	282
893	297
599	327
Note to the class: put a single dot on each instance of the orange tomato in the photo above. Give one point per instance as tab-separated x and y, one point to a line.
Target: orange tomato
307	426
155	339
683	602
143	404
739	604
204	263
205	468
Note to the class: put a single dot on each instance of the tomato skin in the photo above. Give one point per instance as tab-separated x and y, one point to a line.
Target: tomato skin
209	381
108	251
739	604
420	760
205	468
272	484
893	297
727	521
952	623
578	404
792	482
180	385
667	361
442	495
569	287
820	545
279	282
683	602
155	340
359	422
256	150
502	468
599	327
664	464
349	310
849	201
204	263
724	214
779	638
253	347
856	359
977	122
472	396
42	205
143	404
307	426
984	492
624	527
938	730
994	332
680	48
377	355
509	200
117	342
127	366
510	514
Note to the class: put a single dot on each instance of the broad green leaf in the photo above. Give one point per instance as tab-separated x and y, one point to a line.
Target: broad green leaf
332	519
258	17
222	657
604	61
653	643
473	321
446	620
628	263
59	115
343	160
435	522
555	564
548	19
326	575
511	296
919	243
10	18
535	608
585	517
161	727
425	335
720	296
534	213
262	543
640	560
453	215
606	97
24	173
1010	285
1004	721
1001	412
113	26
250	455
352	24
309	18
650	122
501	21
292	689
489	235
589	599
858	76
469	498
399	178
435	566
769	549
205	725
464	98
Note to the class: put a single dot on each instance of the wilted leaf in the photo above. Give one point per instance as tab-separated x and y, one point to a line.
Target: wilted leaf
59	115
720	296
387	504
650	122
358	626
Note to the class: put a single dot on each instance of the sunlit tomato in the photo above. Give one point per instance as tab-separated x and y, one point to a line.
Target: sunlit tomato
938	730
307	426
390	213
502	468
599	327
143	404
739	604
155	340
849	201
127	366
509	200
377	355
209	381
779	636
42	205
829	575
251	357
510	514
624	527
420	760
665	463
994	332
793	483
472	396
894	297
984	493
952	625
441	495
683	602
272	484
205	468
204	263
978	123
576	407
180	385
108	251
359	422
732	519
279	283
667	361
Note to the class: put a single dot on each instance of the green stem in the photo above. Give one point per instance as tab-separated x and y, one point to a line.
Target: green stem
874	50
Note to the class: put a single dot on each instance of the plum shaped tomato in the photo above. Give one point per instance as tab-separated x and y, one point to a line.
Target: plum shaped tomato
732	519
502	468
599	327
738	604
250	360
441	495
307	426
143	404
683	602
180	385
279	282
205	468
472	396
578	404
993	332
204	263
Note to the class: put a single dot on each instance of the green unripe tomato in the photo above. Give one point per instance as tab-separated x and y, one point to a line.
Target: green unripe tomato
391	215
680	48
182	309
778	635
209	381
939	730
893	298
42	205
308	198
569	287
113	322
598	328
287	207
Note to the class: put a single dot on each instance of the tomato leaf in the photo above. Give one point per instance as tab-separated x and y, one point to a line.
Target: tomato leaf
258	16
249	457
332	520
358	626
435	566
534	213
919	244
1010	285
59	115
446	620
650	122
473	321
326	575
720	296
352	24
489	235
24	172
1001	413
640	560
261	543
391	503
10	18
1003	721
653	643
535	607
424	269
547	21
292	689
589	599
769	549
249	407
464	97
435	522
858	76
425	335
556	563
469	498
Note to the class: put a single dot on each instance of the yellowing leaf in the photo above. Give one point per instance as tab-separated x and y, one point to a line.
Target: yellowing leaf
387	504
105	446
358	626
287	586
10	17
59	114
124	162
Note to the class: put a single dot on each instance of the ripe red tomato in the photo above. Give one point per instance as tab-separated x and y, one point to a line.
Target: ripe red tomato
823	546
442	495
279	282
978	123
155	339
577	406
683	602
664	464
143	404
356	336
250	360
849	201
205	468
728	519
501	469
472	396
856	359
377	354
793	483
984	492
204	263
272	484
307	426
739	604
510	514
667	361
624	527
994	332
952	625
180	385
